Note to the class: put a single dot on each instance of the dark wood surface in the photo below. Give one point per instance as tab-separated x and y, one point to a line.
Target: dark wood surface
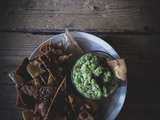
131	27
90	15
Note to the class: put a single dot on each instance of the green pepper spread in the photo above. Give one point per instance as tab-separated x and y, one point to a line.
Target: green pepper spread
92	78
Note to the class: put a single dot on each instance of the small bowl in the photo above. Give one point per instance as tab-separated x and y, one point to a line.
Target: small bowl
97	53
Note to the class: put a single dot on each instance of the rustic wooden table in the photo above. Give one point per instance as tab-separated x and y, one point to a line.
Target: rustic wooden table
131	27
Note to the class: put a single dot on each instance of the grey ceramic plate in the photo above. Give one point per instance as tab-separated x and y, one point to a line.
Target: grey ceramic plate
89	42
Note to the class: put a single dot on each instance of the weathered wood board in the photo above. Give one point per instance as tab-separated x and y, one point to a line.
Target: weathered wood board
89	15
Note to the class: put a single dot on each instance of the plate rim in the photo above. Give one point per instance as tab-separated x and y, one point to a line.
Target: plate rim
116	112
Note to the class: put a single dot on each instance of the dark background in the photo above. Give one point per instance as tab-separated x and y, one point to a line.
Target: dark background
131	27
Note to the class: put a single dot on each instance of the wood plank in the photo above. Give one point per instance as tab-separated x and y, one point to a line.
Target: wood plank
10	115
8	97
142	54
89	15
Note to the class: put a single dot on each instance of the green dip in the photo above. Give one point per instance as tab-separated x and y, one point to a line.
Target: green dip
92	78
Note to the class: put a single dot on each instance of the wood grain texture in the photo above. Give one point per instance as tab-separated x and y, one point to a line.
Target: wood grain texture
89	15
101	17
142	54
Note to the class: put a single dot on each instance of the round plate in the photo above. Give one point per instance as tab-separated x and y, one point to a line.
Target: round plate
89	42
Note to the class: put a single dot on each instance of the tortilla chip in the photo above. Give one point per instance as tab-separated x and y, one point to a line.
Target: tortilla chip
119	68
